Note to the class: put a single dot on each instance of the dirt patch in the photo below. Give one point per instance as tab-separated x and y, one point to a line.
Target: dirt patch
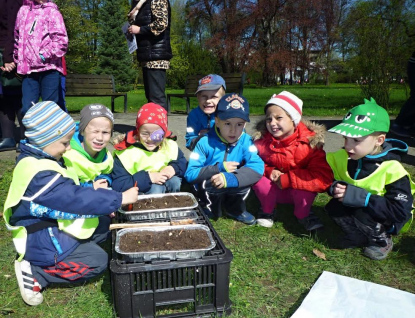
173	240
171	201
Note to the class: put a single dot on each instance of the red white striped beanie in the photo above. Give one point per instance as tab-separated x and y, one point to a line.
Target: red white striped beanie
290	103
46	123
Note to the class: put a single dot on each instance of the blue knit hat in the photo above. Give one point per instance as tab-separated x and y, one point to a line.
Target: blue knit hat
45	123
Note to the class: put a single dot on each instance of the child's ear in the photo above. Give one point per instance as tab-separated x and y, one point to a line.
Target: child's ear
380	139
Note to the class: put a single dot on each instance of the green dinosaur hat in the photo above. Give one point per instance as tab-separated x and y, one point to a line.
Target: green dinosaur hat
363	120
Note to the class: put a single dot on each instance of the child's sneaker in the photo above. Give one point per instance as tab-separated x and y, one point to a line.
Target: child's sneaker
265	220
311	222
378	253
30	288
244	217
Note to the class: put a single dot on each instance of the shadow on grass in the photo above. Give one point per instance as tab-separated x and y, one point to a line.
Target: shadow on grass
406	246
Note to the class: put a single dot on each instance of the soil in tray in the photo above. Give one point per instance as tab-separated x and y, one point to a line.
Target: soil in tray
170	201
174	240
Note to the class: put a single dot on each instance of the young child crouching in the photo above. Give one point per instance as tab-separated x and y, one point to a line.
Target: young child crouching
54	222
210	90
89	156
147	157
295	162
373	193
225	162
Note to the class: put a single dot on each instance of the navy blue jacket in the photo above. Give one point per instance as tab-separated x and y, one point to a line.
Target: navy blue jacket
62	195
122	180
392	209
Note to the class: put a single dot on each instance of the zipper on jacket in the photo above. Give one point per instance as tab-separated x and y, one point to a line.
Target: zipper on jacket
55	243
359	168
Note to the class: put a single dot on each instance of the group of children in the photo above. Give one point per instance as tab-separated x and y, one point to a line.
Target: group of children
64	169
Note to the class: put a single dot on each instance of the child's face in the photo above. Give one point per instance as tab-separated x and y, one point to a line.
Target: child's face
96	135
358	148
208	100
278	123
57	148
230	129
147	133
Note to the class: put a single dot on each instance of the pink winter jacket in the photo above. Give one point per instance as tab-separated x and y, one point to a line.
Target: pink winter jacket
39	29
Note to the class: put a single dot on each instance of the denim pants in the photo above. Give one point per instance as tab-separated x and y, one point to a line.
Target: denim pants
270	195
45	85
85	262
170	186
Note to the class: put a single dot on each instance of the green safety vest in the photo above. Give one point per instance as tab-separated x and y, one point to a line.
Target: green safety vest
388	172
85	168
23	173
135	159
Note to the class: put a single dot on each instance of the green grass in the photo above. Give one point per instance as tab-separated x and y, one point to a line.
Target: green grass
271	272
319	100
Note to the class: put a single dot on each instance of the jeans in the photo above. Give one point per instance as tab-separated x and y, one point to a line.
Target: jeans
46	85
171	185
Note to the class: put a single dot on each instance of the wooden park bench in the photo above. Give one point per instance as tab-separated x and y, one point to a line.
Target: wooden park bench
91	85
234	84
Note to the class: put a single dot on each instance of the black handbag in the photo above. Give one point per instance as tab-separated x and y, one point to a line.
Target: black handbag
8	79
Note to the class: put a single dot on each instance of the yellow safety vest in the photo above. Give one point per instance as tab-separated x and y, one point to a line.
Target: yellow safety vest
135	159
23	173
85	169
388	172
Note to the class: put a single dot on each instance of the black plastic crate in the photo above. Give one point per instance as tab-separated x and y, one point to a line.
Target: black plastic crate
180	288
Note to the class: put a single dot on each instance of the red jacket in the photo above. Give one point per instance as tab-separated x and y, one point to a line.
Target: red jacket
300	157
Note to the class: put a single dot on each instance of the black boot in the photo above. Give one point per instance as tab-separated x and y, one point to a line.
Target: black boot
7	144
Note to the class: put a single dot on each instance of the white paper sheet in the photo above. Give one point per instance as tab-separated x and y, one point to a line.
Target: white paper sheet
336	296
131	40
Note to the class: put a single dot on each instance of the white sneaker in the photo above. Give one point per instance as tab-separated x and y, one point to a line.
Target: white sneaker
265	222
30	288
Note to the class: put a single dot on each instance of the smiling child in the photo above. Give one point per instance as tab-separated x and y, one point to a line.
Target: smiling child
147	156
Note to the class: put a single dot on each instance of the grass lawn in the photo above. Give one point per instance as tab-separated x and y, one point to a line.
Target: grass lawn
318	100
272	269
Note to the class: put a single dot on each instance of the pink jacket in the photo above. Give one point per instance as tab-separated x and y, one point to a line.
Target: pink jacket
39	30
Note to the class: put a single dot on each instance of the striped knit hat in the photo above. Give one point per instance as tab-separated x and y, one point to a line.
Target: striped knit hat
290	103
45	123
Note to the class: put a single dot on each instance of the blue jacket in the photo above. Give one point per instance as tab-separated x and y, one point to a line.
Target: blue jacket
62	195
123	180
212	151
197	120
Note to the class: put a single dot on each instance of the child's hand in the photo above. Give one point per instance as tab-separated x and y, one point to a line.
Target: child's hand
130	196
231	166
275	175
339	191
158	177
217	181
101	183
168	171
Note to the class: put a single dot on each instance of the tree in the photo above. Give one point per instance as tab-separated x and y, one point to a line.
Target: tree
113	56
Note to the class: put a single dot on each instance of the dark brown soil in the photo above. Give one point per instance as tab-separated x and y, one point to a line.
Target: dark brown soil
172	201
174	240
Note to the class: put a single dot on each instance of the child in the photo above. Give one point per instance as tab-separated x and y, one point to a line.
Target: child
211	88
89	155
54	221
225	162
372	194
147	157
40	43
295	164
